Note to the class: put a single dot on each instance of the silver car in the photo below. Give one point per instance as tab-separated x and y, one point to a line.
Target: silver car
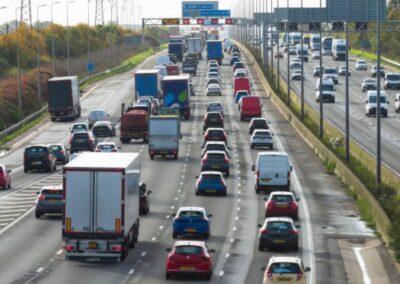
361	65
369	84
214	89
261	138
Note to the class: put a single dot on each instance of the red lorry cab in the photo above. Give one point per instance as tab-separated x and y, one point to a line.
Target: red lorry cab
241	84
134	125
172	70
250	107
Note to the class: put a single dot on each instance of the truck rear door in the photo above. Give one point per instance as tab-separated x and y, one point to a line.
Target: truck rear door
78	201
108	201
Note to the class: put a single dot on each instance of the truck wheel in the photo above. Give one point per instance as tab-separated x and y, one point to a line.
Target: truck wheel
132	242
168	276
227	173
145	139
241	118
257	189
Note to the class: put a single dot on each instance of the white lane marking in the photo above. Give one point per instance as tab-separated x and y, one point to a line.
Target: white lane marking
221	273
13	210
144	253
167	217
3	224
40	269
131	271
227	255
59	252
10	215
16	220
153	239
161	227
361	263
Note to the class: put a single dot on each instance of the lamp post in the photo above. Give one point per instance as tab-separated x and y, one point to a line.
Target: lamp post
52	36
302	64
68	40
288	55
18	64
38	55
321	97
347	142
88	38
378	104
277	51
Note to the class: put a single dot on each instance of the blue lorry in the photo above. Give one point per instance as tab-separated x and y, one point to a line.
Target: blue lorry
176	94
177	49
148	83
214	50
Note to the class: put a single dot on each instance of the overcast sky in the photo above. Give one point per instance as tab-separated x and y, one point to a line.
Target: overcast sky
130	10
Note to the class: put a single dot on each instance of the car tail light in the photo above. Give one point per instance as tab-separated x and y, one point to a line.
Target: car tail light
203	160
258	175
264	231
172	258
70	140
206	137
116	248
113	150
204	258
49	157
269	275
25	157
97	150
199	182
293	205
41	197
174	152
62	152
69	247
299	276
293	232
221	181
270	204
226	160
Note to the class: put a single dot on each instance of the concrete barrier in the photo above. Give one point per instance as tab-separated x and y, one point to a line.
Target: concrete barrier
341	170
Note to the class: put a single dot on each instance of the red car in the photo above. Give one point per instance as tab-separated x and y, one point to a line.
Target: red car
281	204
189	258
5	177
215	134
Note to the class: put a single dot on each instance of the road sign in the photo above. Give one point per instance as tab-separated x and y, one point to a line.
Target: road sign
90	67
215	13
192	9
186	21
170	21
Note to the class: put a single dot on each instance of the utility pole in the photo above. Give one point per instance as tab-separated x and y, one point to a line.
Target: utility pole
26	12
347	142
18	65
302	63
39	87
288	56
68	38
378	104
99	19
321	97
52	36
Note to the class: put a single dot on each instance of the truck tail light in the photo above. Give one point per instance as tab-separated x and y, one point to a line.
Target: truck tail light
116	248
68	225
270	204
293	232
118	225
258	175
269	275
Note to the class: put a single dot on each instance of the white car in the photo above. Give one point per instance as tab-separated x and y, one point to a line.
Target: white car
261	138
331	73
285	269
315	55
107	147
240	72
369	84
295	64
342	71
214	89
296	75
215	106
292	50
397	103
361	65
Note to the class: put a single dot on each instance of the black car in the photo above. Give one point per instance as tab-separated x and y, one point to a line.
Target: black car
60	152
278	232
39	157
103	129
144	204
215	161
213	119
82	141
257	123
49	201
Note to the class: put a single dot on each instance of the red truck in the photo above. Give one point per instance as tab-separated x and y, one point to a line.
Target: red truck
240	84
172	70
134	125
250	107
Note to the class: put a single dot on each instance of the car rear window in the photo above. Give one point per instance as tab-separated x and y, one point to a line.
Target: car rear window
285	268
213	115
215	147
79	127
282	198
215	133
106	147
55	148
80	136
48	192
36	151
191	214
193	250
279	226
262	133
215	156
260	123
211	177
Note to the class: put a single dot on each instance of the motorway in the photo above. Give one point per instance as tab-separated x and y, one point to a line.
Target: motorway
334	242
362	128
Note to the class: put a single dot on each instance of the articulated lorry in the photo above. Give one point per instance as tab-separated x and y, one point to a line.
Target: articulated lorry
101	206
176	93
63	98
147	83
214	50
195	46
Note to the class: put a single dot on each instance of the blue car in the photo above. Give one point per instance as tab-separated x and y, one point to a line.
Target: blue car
211	183
234	59
240	94
191	221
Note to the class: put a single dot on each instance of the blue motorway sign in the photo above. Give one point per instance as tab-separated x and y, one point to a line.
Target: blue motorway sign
189	6
215	13
192	9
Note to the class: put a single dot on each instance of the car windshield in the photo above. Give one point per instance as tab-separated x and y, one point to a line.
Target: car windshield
282	198
262	133
260	123
191	213
373	99
370	81
192	250
393	77
210	177
97	114
285	268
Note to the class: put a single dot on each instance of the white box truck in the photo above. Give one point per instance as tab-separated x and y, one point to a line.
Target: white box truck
164	135
101	206
194	46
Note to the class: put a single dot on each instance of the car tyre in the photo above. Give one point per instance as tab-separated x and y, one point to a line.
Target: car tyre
174	235
251	146
168	276
296	247
176	157
257	190
260	247
151	157
9	185
25	170
37	215
227	173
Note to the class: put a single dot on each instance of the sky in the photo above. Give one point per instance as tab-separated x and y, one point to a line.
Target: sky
129	10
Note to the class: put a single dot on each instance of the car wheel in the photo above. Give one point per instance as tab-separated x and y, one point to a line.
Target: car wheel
168	276
9	185
174	235
176	157
257	190
224	193
296	247
260	247
196	192
272	147
37	215
55	167
227	173
25	170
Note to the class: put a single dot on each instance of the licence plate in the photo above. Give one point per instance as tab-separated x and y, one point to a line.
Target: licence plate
284	279
93	245
215	167
281	205
279	241
210	190
190	230
187	268
266	179
36	163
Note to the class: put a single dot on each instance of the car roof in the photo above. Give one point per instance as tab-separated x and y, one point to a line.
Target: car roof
191	208
215	152
215	128
261	130
52	187
102	122
215	142
282	193
106	143
211	173
37	145
214	85
277	219
278	259
189	243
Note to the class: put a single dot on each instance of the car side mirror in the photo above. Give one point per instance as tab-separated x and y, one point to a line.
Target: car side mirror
263	268
307	269
298	226
209	215
168	250
291	168
211	250
259	226
253	168
149	192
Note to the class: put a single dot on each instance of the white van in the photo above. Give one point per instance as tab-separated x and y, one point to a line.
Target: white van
328	90
272	170
371	103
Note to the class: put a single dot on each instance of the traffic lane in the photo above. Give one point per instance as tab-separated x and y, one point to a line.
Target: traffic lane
361	126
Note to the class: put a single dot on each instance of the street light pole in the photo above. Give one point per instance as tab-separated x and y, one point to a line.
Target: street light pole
68	39
302	64
39	87
88	38
18	65
272	45
321	97
52	36
288	55
277	52
347	142
378	105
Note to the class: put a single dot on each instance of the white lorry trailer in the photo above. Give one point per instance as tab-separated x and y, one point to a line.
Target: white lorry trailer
195	46
101	206
164	135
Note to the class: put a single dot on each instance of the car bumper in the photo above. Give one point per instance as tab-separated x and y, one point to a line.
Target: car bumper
372	111
43	165
279	242
79	148
262	144
191	229
219	168
282	212
53	209
211	190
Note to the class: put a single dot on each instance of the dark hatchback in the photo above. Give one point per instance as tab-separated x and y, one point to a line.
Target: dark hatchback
39	157
278	232
104	129
82	141
60	152
258	123
215	134
49	201
213	119
215	161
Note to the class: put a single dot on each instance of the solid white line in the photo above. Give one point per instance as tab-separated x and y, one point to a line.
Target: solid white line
11	215
16	220
131	271
361	263
13	210
161	227
153	239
